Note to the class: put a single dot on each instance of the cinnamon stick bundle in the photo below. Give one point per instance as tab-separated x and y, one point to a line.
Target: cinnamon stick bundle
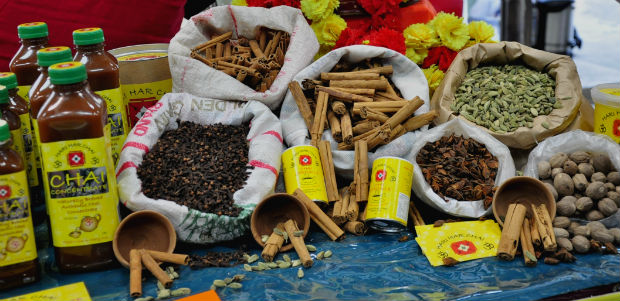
320	115
319	217
527	248
153	267
327	162
355	227
363	172
545	227
298	243
273	244
509	239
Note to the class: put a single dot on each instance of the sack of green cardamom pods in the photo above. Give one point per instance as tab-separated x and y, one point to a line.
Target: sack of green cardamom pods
518	94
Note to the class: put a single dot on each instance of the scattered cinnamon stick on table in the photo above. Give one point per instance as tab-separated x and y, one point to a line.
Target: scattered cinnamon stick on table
273	245
135	273
153	267
181	259
298	243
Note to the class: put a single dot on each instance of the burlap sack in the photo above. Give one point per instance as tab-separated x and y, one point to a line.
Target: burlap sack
560	67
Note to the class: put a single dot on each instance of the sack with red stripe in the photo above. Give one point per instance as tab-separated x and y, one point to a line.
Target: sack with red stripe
191	75
265	148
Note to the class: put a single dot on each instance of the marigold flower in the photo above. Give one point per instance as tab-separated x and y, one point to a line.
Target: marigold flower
328	30
317	10
453	33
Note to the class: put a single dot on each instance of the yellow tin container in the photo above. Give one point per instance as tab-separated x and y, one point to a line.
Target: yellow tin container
389	194
302	169
606	99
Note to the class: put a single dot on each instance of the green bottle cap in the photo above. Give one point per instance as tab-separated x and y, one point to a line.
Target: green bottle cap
88	36
4	95
53	55
5	132
8	79
32	30
67	73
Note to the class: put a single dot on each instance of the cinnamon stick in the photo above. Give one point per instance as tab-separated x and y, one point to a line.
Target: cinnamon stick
135	273
273	244
154	268
404	112
390	97
336	212
415	215
319	217
359	91
389	89
227	49
365	126
215	40
318	124
262	40
298	243
347	130
344	96
381	70
363	171
372	114
181	259
256	49
219	49
338	107
383	106
325	153
509	241
381	137
526	244
534	234
353	211
355	227
271	46
545	227
348	76
302	103
376	84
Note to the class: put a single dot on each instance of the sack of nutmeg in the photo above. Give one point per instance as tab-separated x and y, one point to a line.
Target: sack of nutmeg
241	53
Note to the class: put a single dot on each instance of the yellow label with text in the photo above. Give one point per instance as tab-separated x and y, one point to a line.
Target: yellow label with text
142	56
23	92
139	97
117	119
18	143
611	91
70	292
607	121
390	190
302	169
80	187
31	170
36	144
16	231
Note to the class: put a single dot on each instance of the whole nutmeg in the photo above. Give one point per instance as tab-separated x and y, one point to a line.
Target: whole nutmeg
596	190
569	198
580	244
584	204
602	236
586	169
544	170
582	231
563	183
566	208
596	225
558	160
610	186
607	207
598	177
580	181
614	177
616	233
559	232
594	215
572	227
565	243
553	191
561	222
618	189
556	171
549	181
601	163
580	157
614	196
570	167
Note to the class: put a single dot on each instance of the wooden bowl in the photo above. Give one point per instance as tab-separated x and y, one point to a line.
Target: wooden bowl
278	208
143	230
526	189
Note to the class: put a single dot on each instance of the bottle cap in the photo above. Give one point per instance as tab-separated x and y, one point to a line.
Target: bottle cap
8	79
52	55
4	95
67	73
32	30
5	132
88	36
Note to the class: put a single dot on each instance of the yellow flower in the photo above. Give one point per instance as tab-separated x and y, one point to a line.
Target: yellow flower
481	31
420	36
417	55
317	10
239	2
453	33
328	30
434	76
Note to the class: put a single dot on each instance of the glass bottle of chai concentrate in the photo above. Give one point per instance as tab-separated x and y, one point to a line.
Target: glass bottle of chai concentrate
15	125
104	79
33	36
18	253
79	179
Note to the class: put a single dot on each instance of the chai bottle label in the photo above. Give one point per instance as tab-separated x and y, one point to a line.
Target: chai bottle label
117	119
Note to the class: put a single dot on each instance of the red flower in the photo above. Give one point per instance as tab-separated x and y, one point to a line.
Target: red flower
388	38
273	3
382	12
350	36
441	56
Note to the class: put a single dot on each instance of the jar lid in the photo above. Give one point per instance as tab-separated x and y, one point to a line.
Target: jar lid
67	73
4	95
5	132
52	55
32	30
8	79
88	36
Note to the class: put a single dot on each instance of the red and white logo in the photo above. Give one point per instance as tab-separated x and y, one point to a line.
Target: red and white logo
380	175
617	128
5	192
463	247
76	158
305	160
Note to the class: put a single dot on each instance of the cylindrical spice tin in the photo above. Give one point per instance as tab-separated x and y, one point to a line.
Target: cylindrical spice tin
145	77
606	99
302	169
389	194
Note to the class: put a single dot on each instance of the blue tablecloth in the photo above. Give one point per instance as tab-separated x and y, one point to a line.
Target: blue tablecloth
372	267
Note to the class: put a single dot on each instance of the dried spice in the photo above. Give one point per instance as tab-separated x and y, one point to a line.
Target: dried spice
504	98
217	259
198	166
459	168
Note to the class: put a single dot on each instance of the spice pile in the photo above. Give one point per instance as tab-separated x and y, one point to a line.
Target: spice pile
198	166
359	103
459	168
217	259
256	63
505	98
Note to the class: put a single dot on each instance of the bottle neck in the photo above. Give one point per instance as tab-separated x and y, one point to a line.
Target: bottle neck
92	48
35	42
69	88
13	92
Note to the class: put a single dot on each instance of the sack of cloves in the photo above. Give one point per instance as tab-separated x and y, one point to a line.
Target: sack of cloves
203	163
231	74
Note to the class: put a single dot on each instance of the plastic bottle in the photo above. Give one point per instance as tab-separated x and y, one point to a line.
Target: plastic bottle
15	124
33	36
